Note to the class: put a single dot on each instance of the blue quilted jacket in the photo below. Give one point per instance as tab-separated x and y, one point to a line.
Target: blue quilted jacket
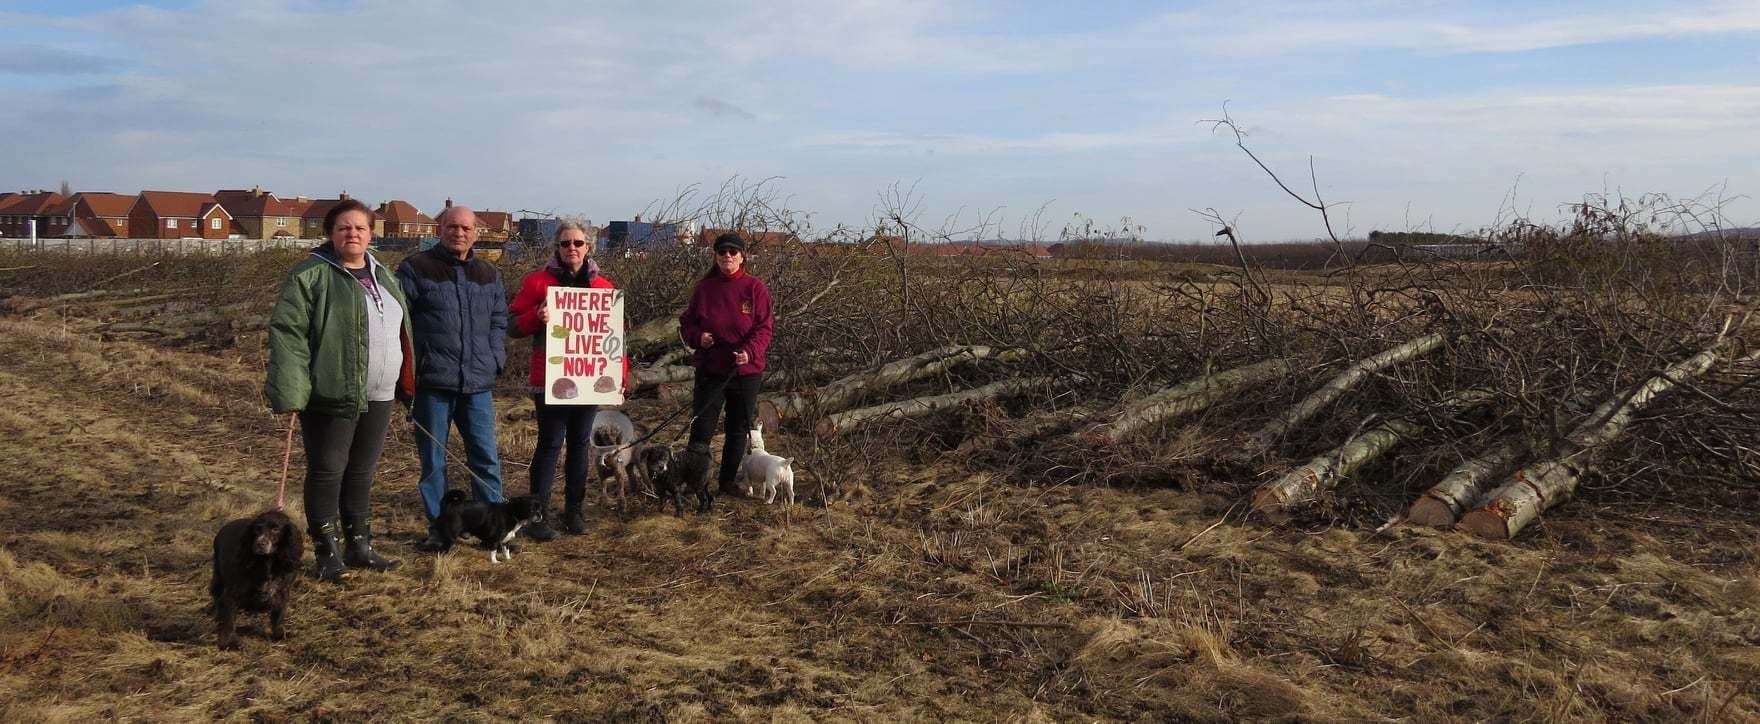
458	310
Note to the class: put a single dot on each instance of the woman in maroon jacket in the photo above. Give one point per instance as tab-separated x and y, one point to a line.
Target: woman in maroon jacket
570	266
728	323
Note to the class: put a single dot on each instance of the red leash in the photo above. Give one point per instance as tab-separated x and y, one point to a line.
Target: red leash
286	460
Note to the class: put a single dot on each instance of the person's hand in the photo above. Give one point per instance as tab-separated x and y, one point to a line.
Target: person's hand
706	341
741	357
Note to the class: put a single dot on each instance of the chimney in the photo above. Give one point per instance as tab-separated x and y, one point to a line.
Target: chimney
256	191
449	202
343	196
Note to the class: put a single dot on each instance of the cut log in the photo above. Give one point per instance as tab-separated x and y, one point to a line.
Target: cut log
1189	397
157	329
840	394
1277	499
1463	487
1335	388
26	304
917	407
659	331
645	377
1546	483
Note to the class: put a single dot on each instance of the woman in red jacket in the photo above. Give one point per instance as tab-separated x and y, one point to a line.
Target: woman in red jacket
729	324
559	426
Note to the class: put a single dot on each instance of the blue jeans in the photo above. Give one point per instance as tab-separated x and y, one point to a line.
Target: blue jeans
560	428
438	410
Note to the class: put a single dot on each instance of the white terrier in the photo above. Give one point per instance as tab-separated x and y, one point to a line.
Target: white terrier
775	471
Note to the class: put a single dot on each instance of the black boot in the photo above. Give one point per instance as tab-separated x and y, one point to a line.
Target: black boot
540	530
328	552
360	553
574	522
434	543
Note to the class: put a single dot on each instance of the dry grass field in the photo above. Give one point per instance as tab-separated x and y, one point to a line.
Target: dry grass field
934	589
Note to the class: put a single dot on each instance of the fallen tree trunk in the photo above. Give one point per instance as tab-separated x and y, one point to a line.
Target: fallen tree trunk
919	406
27	304
1189	397
659	331
1335	388
1277	499
1544	484
1464	486
842	393
646	377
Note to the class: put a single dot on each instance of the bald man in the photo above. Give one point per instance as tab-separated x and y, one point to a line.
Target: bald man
458	311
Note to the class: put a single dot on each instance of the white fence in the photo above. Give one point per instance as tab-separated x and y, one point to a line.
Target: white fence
154	246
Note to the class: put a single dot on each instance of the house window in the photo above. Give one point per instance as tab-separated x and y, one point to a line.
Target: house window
280	221
214	223
404	228
171	223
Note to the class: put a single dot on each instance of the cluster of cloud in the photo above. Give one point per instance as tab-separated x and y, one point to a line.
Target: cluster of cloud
550	105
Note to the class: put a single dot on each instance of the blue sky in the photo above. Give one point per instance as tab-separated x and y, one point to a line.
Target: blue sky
1427	115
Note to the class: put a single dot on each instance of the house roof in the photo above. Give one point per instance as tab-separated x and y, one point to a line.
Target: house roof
102	203
179	204
317	208
255	203
398	211
211	207
495	220
30	204
98	226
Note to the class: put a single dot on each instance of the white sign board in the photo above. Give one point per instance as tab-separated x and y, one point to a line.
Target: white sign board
583	347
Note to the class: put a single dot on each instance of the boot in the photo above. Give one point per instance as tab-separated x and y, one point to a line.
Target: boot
732	489
360	553
540	529
574	522
328	552
434	543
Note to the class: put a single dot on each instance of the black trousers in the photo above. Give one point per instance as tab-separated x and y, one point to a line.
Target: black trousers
342	453
740	395
562	427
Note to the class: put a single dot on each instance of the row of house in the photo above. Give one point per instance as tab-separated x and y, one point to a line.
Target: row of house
226	214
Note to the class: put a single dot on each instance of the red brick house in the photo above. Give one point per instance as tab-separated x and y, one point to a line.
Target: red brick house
178	215
404	221
494	226
17	211
99	215
258	214
311	224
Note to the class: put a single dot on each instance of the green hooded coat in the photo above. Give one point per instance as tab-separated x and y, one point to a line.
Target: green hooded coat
318	339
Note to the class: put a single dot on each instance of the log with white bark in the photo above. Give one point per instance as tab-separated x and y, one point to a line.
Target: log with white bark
659	331
1546	483
842	393
646	377
1189	397
1463	487
1279	498
26	304
1335	388
917	407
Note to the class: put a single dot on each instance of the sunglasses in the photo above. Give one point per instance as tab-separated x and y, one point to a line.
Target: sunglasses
576	243
727	252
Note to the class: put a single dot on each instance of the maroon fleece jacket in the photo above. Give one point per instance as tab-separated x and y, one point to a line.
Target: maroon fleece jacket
736	310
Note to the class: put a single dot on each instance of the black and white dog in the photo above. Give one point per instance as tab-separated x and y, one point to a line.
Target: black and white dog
493	524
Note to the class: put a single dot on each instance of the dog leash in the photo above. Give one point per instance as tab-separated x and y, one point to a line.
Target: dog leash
286	462
446	452
698	412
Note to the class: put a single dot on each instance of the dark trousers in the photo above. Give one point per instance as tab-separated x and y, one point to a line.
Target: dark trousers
562	427
342	454
740	395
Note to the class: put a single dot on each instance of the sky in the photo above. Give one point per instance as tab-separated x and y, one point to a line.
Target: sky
1033	116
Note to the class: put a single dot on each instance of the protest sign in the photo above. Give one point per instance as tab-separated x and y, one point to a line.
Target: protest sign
583	347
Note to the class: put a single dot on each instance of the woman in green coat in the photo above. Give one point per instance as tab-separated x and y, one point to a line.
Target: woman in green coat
339	354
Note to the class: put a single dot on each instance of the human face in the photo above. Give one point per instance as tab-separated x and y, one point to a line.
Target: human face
350	236
729	260
459	233
572	249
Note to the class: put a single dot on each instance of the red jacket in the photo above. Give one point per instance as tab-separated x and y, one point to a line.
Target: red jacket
534	291
736	310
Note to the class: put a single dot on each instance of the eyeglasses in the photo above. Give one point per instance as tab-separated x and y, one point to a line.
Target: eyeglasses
729	251
576	243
